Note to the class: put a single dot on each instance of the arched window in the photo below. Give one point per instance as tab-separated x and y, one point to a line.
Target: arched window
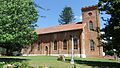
65	44
92	47
55	45
90	13
91	25
38	45
75	43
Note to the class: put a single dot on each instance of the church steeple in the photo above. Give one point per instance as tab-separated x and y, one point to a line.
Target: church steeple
90	16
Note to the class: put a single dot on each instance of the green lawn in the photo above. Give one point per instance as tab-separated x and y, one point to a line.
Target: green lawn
52	62
1	65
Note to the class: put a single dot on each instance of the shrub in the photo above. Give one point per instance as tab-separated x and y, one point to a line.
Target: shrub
20	65
16	53
1	65
24	64
17	65
2	51
110	52
40	66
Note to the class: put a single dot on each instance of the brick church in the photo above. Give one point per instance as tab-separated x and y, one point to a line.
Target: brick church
58	40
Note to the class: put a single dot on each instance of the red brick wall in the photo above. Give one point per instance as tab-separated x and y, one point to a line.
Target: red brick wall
89	34
59	37
48	40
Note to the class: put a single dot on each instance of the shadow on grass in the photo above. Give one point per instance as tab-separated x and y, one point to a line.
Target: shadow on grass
12	60
97	64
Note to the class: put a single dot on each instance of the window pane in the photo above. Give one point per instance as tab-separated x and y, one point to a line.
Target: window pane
92	45
55	45
75	44
38	45
90	25
65	44
90	13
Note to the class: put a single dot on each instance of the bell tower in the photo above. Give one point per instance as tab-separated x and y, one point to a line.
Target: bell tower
90	16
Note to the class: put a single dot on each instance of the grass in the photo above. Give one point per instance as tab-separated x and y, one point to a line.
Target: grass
97	62
1	65
51	61
94	59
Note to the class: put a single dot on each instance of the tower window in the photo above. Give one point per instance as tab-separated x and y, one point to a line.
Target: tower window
38	45
75	43
92	48
55	45
89	13
91	25
65	44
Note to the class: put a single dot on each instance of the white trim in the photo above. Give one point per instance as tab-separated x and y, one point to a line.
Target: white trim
83	56
33	54
66	55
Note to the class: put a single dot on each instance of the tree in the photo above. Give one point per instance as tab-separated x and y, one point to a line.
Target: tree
17	24
66	16
112	27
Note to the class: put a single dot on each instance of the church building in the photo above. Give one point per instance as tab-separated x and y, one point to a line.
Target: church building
58	40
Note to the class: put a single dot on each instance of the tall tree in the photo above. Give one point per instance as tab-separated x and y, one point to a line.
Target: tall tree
112	28
66	16
17	23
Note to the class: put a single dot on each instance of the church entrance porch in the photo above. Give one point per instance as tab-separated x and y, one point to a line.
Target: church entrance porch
46	49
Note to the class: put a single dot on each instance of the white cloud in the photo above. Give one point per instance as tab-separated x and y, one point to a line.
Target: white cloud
103	41
78	18
102	32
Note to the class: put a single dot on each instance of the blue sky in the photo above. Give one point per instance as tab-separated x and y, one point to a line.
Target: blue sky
56	6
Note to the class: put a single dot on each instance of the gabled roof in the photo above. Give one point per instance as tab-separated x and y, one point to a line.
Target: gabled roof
60	28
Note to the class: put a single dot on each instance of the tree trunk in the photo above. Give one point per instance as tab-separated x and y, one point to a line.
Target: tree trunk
7	52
